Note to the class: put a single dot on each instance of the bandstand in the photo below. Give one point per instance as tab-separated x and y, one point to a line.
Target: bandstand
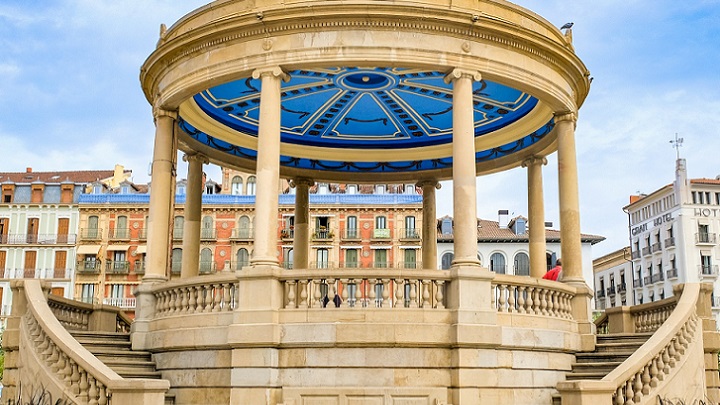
365	91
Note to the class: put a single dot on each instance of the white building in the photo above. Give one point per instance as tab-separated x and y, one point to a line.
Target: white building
673	233
613	279
503	246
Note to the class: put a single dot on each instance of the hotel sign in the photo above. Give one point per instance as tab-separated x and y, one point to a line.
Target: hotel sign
707	212
654	223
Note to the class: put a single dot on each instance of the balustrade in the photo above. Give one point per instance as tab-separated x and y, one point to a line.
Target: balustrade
199	296
350	234
38	239
514	294
90	234
119	233
242	233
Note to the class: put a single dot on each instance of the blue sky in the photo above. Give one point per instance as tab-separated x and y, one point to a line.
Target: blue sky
70	98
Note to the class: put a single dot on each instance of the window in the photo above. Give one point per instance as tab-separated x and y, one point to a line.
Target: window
380	222
497	263
244	227
125	189
4	229
176	263
410	261
322	258
289	259
207	231
242	258
446	226
236	185
351	258
87	293
178	225
410	231
352	227
206	260
121	228
446	261
409	189
119	262
181	189
322	228
33	226
351	189
703	233
117	292
323	188
97	189
706	263
251	185
380	189
522	264
381	258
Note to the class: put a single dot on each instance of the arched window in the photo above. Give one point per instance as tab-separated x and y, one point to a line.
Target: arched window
207	231
92	228
236	185
121	228
242	258
522	264
206	261
251	185
497	263
323	188
352	231
409	189
446	260
176	260
380	189
288	262
243	227
178	225
351	189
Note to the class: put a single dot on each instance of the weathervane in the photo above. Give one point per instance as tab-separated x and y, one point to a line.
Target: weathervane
677	143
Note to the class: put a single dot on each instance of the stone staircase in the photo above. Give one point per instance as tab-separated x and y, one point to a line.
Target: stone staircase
115	350
610	351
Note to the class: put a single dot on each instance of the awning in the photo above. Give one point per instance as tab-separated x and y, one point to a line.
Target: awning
141	249
113	248
88	249
351	247
409	247
381	247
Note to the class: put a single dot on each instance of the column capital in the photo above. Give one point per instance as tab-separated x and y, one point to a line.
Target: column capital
198	157
566	116
301	181
534	160
273	71
161	112
429	183
458	73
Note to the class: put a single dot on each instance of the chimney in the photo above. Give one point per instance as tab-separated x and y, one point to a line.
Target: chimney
503	218
682	185
28	170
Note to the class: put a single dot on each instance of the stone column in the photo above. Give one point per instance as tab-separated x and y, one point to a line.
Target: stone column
301	237
162	196
193	212
571	247
268	167
464	170
536	214
429	229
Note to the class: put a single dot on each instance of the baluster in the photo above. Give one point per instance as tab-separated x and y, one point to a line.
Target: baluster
530	303
332	292
75	379
619	396
344	294
543	301
373	285
672	354
399	293
226	287
303	294
386	293
521	300
208	293
654	380
102	394
358	293
511	298
291	294
425	285
92	391
665	358
185	292
638	387
439	295
630	392
217	290
646	379
414	293
317	294
67	370
192	300
83	385
501	299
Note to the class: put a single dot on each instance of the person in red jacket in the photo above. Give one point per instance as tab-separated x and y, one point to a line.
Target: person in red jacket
554	274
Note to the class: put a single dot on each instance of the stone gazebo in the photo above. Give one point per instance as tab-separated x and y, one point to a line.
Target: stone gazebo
363	91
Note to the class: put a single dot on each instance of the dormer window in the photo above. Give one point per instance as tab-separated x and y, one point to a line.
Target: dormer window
380	189
409	189
125	189
181	189
97	189
323	188
351	189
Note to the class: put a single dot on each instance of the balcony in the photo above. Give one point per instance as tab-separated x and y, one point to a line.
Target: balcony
637	283
658	277
139	267
669	242
407	234
708	270
208	234
716	303
41	239
635	255
119	234
91	234
600	293
646	251
286	265
409	265
350	265
142	233
322	234
287	233
88	267
381	234
207	267
322	265
127	303
648	280
622	288
656	247
672	273
117	267
611	291
238	265
350	234
703	238
242	234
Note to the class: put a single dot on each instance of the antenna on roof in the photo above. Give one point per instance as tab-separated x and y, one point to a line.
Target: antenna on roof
677	143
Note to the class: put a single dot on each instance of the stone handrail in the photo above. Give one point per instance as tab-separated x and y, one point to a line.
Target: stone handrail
637	319
76	315
641	376
525	295
355	289
70	370
216	293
